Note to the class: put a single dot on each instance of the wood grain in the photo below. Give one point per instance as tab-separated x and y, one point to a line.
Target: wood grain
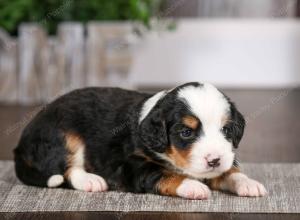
32	52
8	68
71	55
95	55
36	67
143	215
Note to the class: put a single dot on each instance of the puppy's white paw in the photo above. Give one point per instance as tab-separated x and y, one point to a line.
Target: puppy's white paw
193	189
88	182
244	186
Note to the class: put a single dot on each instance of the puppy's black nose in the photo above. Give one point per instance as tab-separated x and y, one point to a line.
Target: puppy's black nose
214	162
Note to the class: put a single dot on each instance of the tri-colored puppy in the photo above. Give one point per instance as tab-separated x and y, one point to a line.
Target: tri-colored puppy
178	143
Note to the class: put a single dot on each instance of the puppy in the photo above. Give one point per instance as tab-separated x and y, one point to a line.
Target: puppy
179	142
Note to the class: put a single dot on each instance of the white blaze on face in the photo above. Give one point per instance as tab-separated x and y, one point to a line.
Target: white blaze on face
211	107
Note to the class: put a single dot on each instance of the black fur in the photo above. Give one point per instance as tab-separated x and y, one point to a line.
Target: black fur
153	132
104	118
236	126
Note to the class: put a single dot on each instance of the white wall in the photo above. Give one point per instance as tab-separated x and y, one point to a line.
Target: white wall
228	53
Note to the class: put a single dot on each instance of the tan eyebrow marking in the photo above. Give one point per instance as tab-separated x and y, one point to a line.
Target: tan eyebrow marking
190	121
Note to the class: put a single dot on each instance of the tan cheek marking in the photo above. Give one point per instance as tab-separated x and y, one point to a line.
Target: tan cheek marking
216	183
179	157
75	152
169	183
190	122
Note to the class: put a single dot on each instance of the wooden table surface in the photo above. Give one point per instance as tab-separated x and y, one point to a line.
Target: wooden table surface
272	135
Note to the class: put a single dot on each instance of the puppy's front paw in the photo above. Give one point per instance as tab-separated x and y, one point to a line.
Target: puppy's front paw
193	189
244	186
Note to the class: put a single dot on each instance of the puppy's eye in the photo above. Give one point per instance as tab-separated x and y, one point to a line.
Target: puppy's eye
186	133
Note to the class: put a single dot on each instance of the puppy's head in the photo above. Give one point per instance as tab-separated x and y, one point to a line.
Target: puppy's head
193	127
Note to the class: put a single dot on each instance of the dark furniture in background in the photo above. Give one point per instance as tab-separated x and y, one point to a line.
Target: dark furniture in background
271	135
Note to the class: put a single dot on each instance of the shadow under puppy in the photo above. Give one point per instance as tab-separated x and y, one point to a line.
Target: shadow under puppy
177	143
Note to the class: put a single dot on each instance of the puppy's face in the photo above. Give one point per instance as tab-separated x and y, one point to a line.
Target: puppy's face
193	127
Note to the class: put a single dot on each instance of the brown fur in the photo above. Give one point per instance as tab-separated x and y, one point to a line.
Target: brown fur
169	183
28	162
216	183
190	121
73	143
180	157
225	120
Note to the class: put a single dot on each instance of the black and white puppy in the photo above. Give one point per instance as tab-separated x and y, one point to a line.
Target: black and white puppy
179	143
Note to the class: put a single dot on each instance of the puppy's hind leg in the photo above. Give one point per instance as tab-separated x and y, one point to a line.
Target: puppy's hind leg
37	164
76	174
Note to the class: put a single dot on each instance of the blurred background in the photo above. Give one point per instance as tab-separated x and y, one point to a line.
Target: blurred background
248	49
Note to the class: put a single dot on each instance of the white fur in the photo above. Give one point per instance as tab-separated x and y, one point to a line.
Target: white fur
210	106
243	186
149	104
193	189
55	180
80	179
78	158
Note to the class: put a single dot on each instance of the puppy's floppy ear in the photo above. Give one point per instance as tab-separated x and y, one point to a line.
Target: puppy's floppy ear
239	124
153	131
